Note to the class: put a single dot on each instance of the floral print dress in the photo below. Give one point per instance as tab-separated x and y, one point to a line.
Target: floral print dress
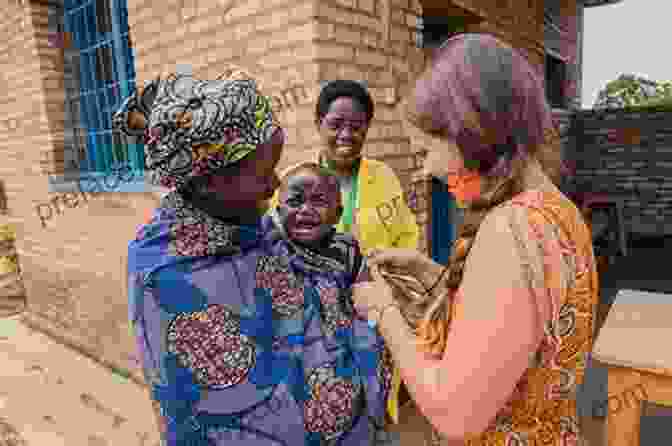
257	345
542	409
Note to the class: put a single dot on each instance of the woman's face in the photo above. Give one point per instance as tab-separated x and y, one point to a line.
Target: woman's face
253	180
343	131
445	163
443	159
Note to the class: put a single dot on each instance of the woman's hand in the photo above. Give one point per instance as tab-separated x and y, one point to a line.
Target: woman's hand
397	258
406	262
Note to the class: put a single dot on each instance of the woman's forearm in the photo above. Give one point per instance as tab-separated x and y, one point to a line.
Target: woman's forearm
418	370
421	373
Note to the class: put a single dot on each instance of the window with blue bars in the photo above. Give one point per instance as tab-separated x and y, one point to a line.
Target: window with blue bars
99	73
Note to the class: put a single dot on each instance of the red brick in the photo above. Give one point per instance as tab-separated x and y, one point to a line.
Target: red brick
346	3
367	57
328	51
244	9
366	5
338	15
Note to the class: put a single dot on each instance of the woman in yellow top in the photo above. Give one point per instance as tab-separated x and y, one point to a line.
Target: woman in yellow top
375	210
497	355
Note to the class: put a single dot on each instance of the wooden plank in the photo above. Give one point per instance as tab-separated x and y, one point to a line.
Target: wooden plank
631	334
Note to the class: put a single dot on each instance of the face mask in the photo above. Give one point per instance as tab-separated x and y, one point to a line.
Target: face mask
465	186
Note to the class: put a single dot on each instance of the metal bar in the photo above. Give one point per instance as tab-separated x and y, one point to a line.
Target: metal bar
122	62
119	53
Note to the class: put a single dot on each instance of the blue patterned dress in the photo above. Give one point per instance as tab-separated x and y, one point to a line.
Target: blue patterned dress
257	344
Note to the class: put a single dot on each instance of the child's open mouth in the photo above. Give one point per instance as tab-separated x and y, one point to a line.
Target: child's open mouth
307	226
306	229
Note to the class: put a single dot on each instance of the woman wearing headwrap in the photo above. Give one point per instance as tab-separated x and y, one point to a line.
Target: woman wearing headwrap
495	348
234	342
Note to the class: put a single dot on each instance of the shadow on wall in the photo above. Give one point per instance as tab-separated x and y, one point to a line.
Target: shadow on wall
12	293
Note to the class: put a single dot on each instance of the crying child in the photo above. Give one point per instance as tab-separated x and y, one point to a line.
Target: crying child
309	208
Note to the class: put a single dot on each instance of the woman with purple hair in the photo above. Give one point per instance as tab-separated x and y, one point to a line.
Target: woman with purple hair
493	351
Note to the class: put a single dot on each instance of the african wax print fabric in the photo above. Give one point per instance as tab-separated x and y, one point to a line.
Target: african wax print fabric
255	347
243	340
197	127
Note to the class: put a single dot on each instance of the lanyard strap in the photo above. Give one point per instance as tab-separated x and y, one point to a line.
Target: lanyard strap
351	201
350	205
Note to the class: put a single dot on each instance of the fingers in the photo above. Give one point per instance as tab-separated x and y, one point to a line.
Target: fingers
380	256
362	287
373	254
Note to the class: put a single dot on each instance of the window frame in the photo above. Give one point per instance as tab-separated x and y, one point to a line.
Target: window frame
100	60
454	25
555	94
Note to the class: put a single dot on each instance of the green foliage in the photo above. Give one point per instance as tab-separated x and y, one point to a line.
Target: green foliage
629	91
655	104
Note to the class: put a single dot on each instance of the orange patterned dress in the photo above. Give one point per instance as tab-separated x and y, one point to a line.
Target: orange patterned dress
542	408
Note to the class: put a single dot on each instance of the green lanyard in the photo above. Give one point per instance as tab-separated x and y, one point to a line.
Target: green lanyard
351	202
350	206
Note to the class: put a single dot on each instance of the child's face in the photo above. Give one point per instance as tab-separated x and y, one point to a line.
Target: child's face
309	206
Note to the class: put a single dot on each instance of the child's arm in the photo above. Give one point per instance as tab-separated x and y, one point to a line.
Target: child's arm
364	274
359	268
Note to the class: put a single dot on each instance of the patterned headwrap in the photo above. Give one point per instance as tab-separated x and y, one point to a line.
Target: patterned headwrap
194	128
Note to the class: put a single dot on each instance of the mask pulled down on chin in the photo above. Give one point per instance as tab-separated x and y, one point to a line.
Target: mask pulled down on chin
464	186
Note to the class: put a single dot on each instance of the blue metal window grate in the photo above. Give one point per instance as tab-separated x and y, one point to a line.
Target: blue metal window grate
104	74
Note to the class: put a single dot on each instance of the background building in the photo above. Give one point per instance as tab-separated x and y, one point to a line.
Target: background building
89	54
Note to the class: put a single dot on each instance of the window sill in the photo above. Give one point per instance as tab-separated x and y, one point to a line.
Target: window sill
93	182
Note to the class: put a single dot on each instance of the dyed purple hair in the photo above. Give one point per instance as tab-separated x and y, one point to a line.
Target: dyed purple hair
488	99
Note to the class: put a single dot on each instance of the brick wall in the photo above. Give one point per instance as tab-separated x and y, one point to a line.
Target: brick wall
629	154
518	22
72	266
